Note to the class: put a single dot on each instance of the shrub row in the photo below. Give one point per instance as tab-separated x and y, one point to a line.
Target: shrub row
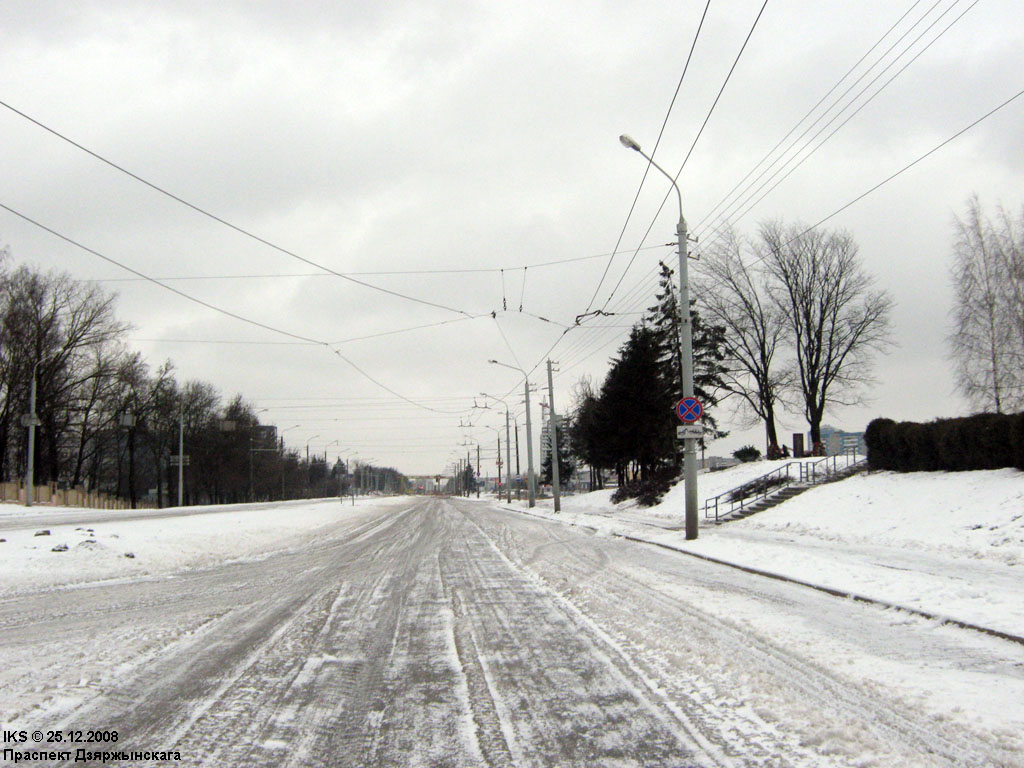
982	441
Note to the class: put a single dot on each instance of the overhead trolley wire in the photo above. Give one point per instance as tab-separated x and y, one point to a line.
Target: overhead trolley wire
647	170
808	114
225	222
822	220
811	111
692	147
716	230
217	309
449	271
892	176
910	165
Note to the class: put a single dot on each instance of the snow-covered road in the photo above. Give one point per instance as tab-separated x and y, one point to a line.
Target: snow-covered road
441	632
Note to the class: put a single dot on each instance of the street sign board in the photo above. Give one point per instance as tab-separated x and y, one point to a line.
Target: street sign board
689	410
176	460
689	431
30	420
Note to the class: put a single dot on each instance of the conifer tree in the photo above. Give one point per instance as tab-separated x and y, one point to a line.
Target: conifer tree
708	349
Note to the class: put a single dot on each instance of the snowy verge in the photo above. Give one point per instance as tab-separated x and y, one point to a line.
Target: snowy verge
948	544
76	554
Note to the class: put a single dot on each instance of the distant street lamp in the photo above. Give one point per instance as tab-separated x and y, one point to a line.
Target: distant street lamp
31	420
508	451
685	348
531	490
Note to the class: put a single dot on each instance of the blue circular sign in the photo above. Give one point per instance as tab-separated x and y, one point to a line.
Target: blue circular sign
689	410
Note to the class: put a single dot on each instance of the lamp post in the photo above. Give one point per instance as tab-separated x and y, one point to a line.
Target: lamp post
685	347
281	451
366	463
531	491
307	464
31	420
497	433
508	451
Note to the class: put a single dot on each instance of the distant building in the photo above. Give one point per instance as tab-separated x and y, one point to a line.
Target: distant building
545	441
838	442
711	463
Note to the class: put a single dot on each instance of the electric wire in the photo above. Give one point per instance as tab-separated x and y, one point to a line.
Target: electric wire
567	367
716	231
213	307
692	147
392	272
224	222
661	133
809	112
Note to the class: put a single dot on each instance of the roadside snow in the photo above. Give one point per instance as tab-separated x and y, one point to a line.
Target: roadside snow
136	548
949	544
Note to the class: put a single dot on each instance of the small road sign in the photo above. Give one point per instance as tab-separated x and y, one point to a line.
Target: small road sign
689	431
30	420
689	410
177	460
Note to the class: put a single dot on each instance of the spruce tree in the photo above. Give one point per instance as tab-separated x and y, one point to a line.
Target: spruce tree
708	349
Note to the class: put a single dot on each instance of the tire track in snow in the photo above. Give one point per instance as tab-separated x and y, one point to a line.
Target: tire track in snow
589	705
609	588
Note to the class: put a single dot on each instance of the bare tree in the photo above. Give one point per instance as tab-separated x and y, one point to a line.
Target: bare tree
987	342
735	295
53	327
836	318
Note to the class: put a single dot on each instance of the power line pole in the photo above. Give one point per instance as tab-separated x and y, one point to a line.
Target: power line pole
553	436
32	420
531	491
519	474
181	455
685	347
478	471
508	462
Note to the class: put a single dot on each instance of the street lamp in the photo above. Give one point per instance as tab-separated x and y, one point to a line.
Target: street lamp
508	451
31	420
281	451
685	348
531	490
308	473
497	432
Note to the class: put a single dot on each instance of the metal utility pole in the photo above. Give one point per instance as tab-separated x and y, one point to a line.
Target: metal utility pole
478	471
32	420
498	489
181	456
519	473
508	462
553	435
685	346
531	491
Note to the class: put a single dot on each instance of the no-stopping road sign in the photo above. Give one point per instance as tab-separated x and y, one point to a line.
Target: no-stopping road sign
689	410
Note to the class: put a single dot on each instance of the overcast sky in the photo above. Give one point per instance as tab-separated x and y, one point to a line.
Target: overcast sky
424	147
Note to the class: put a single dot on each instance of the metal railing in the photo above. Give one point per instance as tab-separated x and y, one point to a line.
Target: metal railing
807	473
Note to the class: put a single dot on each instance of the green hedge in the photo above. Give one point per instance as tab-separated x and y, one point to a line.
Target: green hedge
982	441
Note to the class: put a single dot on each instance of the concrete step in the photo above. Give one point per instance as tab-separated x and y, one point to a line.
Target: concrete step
784	494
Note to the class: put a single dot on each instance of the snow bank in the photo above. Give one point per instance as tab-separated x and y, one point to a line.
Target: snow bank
946	543
136	548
